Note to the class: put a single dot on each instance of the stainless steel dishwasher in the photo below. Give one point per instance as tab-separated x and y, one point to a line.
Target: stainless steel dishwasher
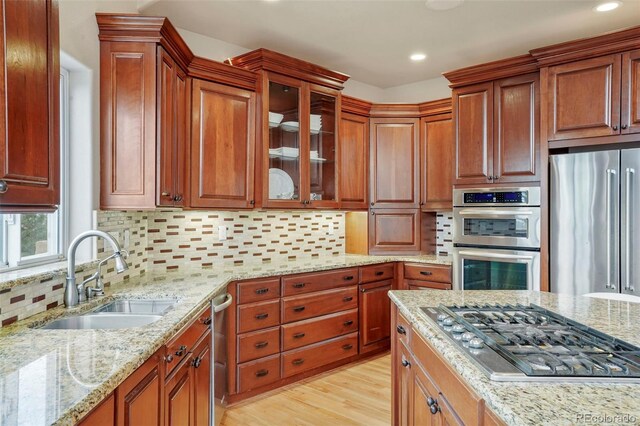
219	372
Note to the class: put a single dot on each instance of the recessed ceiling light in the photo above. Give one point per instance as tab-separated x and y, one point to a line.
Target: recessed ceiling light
607	6
443	4
418	57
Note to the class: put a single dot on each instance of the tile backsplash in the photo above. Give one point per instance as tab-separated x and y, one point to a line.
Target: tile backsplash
444	233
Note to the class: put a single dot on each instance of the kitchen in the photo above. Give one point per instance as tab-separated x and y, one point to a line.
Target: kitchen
208	221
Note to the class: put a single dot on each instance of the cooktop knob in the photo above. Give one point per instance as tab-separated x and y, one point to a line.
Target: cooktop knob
468	336
448	321
442	317
476	343
458	328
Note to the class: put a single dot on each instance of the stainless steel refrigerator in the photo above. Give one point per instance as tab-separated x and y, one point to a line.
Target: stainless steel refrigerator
595	222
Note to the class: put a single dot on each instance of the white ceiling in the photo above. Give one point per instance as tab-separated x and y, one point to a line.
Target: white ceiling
372	40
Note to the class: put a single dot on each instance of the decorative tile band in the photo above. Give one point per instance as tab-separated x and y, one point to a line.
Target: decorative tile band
444	230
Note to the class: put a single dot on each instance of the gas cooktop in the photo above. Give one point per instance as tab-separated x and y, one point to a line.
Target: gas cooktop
530	343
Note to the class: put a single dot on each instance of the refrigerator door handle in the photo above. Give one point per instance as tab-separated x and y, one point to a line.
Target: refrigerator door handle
629	172
610	176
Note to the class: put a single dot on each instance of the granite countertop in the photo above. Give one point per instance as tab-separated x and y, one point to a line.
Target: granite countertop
537	403
58	376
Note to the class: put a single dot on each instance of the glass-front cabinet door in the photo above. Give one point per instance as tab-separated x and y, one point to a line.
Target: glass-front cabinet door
302	144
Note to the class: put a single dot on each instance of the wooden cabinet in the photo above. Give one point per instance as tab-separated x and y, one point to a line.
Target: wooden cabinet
140	398
401	372
394	163
436	162
103	415
354	161
222	146
202	381
630	114
394	231
375	316
30	106
497	129
172	128
179	395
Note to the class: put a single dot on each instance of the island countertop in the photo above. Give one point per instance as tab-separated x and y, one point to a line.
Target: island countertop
520	403
58	376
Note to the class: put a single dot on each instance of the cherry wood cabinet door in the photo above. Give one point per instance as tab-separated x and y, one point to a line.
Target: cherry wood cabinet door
436	162
516	119
473	121
394	162
584	98
202	380
375	313
404	386
140	398
103	415
630	120
222	146
179	395
354	159
394	231
30	106
172	130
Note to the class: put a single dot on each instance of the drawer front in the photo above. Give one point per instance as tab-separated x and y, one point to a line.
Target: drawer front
256	291
403	330
259	315
255	374
463	401
414	271
426	285
376	273
178	347
258	344
300	360
307	283
296	308
302	333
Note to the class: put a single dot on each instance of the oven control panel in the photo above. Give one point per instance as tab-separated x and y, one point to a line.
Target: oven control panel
497	197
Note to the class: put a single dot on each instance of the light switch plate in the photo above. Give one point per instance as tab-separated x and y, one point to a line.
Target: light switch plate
222	232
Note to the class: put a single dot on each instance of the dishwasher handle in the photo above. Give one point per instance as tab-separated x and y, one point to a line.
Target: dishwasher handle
224	305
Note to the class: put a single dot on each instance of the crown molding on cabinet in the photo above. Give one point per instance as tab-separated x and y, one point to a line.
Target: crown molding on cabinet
509	67
356	106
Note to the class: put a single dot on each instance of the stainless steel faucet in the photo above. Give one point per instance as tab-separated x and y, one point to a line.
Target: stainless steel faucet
74	294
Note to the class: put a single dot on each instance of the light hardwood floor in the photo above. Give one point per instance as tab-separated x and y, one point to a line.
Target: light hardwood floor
357	394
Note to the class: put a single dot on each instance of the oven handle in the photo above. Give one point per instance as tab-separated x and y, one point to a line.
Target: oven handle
495	255
489	212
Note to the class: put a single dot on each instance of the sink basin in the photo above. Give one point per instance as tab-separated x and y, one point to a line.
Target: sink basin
103	321
137	306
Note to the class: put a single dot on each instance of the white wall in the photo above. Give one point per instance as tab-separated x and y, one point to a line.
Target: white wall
209	47
421	91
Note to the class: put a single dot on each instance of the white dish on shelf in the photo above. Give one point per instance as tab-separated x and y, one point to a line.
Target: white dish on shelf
275	119
290	126
280	185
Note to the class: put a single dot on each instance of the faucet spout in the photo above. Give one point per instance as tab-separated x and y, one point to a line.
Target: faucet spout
72	293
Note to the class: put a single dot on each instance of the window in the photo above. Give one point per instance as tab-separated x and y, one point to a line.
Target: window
35	238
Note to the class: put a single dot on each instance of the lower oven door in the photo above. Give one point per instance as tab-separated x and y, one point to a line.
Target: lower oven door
495	269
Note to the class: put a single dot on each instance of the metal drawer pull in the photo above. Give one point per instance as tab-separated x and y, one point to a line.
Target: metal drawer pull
299	335
405	363
347	346
3	186
400	329
261	345
299	285
378	273
181	350
262	290
426	273
298	361
262	373
348	278
298	309
347	299
348	323
261	316
206	321
168	358
196	362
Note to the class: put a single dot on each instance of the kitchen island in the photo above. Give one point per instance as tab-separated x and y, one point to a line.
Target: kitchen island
512	403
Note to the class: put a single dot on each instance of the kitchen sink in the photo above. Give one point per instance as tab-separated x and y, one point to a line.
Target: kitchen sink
137	306
105	321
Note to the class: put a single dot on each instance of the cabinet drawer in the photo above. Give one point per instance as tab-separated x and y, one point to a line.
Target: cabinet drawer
256	291
441	274
296	308
300	360
178	347
427	285
255	316
463	401
315	330
306	283
403	330
376	273
258	344
258	373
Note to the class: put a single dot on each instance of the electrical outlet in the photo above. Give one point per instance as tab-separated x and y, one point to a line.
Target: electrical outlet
331	231
222	232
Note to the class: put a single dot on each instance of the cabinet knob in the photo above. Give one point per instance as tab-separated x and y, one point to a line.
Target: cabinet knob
177	198
372	204
400	329
490	178
206	321
181	350
434	408
168	358
252	202
406	363
615	127
165	194
3	186
623	127
196	362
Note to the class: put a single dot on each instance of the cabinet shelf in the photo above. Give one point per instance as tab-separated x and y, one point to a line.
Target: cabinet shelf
296	158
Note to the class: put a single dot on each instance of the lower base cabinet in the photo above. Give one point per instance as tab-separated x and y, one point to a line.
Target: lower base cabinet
375	315
140	398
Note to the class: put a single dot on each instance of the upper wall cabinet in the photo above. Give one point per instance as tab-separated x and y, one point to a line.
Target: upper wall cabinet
29	107
145	79
394	162
630	117
354	159
298	132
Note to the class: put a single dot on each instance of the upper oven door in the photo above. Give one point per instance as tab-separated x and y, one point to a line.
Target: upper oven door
497	226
